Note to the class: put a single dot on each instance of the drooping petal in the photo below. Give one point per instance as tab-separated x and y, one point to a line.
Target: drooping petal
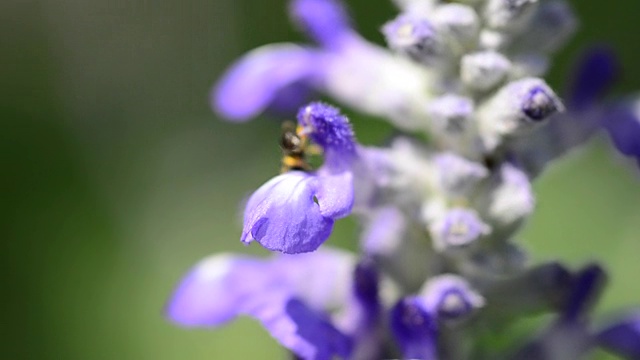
366	285
623	337
287	293
261	78
283	216
306	332
326	21
362	317
214	291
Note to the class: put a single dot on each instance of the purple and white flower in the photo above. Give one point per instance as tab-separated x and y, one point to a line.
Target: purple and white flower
438	264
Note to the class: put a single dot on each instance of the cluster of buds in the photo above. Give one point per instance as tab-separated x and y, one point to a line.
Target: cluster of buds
439	265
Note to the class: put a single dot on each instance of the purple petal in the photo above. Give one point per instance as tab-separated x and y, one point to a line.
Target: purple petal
321	278
214	291
585	291
261	78
623	338
414	329
335	195
623	125
286	213
366	285
306	332
222	287
326	21
595	74
362	317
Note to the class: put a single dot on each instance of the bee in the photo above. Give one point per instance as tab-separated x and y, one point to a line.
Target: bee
294	148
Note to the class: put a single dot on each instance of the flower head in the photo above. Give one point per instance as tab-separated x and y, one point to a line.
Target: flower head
439	263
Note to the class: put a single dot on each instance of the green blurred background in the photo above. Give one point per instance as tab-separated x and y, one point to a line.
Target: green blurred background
117	177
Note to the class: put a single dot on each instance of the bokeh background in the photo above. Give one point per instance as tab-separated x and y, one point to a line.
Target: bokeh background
117	176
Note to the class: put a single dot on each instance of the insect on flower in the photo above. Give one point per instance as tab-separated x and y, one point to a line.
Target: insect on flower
294	144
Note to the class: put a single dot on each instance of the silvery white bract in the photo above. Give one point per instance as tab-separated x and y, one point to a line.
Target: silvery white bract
439	266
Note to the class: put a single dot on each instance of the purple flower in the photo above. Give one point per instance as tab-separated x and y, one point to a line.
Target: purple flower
260	81
622	123
279	77
622	337
569	336
538	104
596	71
415	329
326	21
287	294
295	211
515	110
457	228
438	218
267	77
362	318
450	297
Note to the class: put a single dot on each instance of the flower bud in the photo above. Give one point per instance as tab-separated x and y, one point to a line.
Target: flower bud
483	70
509	14
517	107
416	38
457	229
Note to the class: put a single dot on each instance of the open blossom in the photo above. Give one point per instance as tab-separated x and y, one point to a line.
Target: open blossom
295	211
439	263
